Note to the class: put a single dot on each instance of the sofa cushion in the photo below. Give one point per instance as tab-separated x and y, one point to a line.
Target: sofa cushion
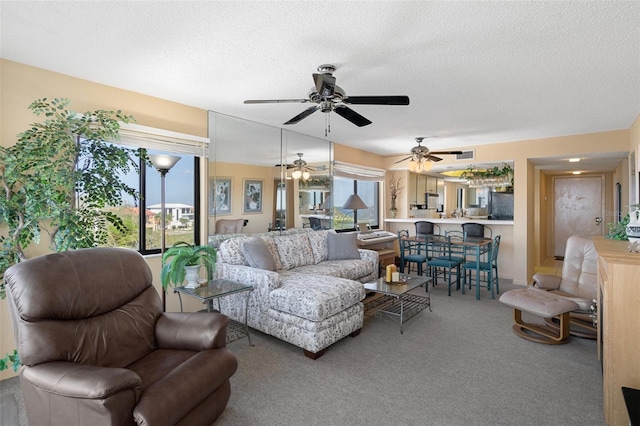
318	243
342	246
294	250
315	297
352	269
258	254
230	251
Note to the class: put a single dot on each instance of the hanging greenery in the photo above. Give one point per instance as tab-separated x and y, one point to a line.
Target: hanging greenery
322	182
495	176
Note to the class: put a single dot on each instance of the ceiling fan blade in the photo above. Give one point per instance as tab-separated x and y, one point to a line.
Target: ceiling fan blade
404	159
352	116
304	114
275	101
446	152
433	158
325	84
288	166
376	100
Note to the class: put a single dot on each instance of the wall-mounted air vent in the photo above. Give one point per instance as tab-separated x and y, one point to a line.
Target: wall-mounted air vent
466	155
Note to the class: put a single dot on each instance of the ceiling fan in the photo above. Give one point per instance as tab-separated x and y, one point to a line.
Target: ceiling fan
330	97
301	169
422	158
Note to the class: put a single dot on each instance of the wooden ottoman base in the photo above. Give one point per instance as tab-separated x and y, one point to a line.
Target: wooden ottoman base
543	304
540	333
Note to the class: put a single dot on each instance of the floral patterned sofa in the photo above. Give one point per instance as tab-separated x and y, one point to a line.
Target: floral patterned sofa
310	296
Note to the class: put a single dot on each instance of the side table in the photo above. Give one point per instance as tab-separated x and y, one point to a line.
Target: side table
214	290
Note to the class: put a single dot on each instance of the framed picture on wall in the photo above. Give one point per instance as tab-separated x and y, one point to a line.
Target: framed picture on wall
220	196
252	202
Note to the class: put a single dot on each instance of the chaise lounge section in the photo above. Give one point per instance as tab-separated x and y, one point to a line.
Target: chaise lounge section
307	286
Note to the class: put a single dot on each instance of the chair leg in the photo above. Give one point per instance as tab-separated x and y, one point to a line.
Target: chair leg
541	333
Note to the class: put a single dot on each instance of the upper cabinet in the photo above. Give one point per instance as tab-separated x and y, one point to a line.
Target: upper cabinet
419	186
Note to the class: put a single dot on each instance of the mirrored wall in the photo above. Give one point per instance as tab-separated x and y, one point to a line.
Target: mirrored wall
270	178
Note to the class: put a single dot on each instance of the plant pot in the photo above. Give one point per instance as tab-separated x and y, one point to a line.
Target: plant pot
192	276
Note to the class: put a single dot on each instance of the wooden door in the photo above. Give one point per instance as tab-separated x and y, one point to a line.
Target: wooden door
578	208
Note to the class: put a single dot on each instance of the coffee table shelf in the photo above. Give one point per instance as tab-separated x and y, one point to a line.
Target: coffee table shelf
395	299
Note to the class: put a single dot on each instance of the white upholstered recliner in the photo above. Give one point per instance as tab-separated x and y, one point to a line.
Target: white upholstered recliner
229	226
577	283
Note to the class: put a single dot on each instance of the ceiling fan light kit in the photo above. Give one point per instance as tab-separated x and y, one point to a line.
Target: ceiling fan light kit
330	97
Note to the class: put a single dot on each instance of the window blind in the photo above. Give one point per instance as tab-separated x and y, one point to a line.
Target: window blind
163	140
357	172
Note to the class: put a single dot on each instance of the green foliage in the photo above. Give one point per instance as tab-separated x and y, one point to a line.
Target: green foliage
184	254
473	172
618	231
60	177
10	360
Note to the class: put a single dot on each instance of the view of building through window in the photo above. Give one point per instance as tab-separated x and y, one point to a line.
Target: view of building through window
144	213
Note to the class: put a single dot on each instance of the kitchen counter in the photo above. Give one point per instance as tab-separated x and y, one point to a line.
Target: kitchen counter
451	220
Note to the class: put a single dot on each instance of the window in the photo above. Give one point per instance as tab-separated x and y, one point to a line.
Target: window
367	190
142	216
355	179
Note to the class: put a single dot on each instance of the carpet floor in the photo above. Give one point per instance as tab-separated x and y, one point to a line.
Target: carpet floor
459	364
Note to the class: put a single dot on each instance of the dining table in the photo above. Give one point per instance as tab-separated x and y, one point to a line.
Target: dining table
472	248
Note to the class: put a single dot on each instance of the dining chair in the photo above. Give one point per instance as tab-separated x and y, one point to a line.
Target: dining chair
409	252
475	230
424	228
442	260
487	268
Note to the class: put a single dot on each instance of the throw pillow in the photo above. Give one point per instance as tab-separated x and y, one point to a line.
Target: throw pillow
258	254
342	246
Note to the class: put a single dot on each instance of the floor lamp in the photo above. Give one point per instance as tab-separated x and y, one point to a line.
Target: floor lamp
163	163
354	202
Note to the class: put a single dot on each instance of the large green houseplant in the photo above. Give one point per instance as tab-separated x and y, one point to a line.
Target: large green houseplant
60	177
183	256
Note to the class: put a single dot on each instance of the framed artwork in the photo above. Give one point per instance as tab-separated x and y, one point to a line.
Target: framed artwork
252	202
220	196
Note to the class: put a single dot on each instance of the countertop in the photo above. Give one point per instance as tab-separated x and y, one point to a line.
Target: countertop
452	220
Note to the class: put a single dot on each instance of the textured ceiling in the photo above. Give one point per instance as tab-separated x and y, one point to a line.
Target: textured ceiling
476	72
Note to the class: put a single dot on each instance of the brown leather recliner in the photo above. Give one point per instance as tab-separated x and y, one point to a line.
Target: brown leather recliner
97	349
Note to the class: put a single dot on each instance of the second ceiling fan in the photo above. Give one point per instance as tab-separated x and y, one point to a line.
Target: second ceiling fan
422	158
330	97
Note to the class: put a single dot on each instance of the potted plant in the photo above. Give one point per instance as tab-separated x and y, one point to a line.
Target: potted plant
61	177
183	260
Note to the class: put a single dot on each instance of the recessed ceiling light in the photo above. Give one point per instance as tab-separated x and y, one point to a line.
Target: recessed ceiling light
576	173
574	160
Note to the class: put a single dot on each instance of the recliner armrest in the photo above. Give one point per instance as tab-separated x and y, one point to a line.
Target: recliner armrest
194	331
74	380
547	281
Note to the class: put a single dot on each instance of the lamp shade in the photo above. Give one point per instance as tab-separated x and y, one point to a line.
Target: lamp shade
354	202
327	204
296	174
163	162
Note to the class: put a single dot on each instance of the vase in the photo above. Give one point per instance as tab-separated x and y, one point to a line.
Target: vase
633	228
192	276
392	213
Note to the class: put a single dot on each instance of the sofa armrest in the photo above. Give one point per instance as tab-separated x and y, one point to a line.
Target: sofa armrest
547	281
73	380
194	331
371	256
262	280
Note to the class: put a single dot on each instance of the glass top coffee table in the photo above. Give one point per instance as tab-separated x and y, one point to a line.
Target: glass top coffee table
214	290
396	301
